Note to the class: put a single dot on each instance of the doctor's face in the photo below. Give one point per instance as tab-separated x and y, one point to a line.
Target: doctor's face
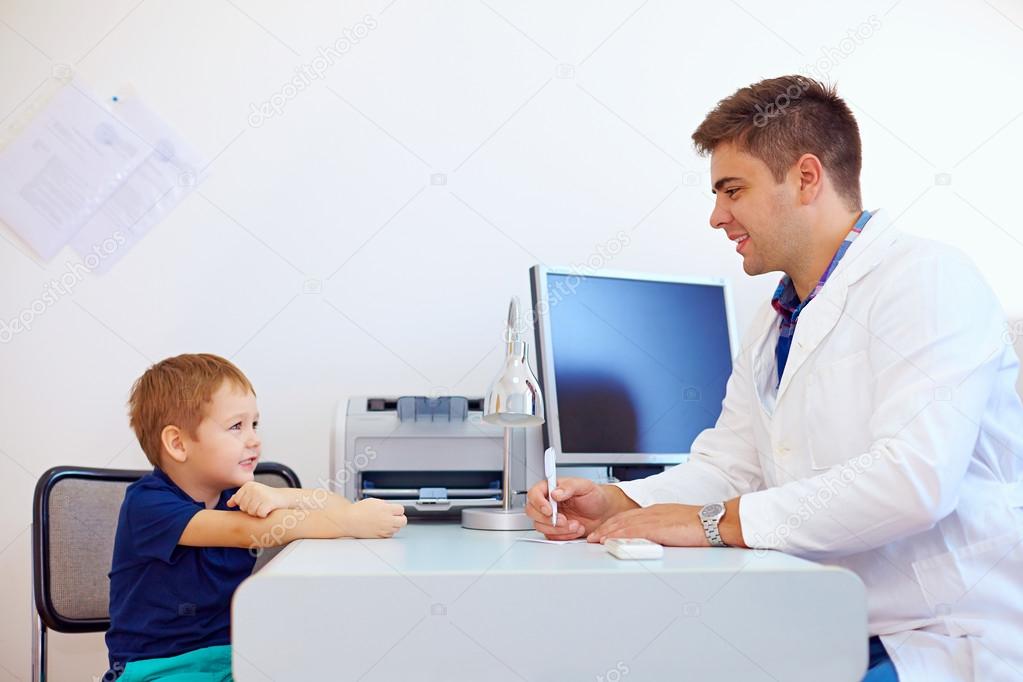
756	212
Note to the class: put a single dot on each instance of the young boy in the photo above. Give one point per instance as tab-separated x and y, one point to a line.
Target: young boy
185	531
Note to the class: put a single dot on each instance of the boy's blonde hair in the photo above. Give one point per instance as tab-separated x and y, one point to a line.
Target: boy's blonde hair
174	392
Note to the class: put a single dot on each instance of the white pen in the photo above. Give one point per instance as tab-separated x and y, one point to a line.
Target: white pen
550	470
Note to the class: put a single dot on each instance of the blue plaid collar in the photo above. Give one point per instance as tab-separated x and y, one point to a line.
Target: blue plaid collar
785	299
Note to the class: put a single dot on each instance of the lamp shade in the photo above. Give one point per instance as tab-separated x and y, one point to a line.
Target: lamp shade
514	398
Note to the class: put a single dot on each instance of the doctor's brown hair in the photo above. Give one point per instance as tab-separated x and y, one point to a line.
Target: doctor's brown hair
174	392
779	119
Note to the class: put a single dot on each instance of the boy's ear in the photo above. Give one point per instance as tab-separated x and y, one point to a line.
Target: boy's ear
174	444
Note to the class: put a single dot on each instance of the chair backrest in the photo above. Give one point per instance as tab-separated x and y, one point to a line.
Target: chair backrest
276	475
74	521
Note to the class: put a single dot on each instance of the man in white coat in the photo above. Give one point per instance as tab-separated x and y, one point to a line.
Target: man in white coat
871	420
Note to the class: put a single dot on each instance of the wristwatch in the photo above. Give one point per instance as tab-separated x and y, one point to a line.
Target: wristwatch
710	514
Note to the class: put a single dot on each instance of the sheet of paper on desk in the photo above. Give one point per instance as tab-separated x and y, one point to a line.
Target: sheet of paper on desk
62	167
551	542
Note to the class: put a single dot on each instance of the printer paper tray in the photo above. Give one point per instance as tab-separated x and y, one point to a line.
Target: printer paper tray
438	506
413	493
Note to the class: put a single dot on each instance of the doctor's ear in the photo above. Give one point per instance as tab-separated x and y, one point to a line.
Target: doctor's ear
174	444
811	178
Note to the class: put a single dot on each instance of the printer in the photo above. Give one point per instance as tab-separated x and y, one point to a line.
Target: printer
435	456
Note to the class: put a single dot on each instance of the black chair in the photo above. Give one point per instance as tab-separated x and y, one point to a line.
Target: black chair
74	519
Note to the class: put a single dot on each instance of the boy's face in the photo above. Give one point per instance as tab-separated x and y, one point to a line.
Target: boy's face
226	447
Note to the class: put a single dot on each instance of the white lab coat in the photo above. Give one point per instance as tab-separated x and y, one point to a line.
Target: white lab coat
893	447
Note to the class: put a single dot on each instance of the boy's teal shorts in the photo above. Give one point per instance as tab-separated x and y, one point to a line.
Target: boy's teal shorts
211	664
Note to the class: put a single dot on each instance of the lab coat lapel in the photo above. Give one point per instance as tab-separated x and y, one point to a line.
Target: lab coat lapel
765	373
815	322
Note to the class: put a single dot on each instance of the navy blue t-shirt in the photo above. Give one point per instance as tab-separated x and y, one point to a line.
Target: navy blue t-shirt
167	599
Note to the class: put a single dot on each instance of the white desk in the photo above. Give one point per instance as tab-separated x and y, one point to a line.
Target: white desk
438	602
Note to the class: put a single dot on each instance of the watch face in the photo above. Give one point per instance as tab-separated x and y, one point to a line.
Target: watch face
712	510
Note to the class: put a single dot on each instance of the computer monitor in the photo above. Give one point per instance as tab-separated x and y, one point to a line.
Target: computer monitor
633	367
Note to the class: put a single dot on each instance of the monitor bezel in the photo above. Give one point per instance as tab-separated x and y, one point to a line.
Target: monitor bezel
545	359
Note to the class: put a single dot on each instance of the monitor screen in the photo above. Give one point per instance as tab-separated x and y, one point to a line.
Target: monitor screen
631	366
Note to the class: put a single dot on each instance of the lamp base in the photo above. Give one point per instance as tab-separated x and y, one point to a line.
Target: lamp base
496	519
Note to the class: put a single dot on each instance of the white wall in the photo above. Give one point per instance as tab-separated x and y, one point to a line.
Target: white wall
555	125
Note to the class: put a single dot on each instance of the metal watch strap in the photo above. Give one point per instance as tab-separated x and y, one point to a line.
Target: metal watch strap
710	529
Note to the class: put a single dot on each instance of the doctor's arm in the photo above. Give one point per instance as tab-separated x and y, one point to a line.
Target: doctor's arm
934	354
723	463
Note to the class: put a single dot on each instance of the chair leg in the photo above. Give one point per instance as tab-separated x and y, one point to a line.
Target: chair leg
38	649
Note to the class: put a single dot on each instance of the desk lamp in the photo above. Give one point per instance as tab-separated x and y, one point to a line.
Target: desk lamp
513	401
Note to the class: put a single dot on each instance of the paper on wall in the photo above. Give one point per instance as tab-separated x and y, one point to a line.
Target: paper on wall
61	168
169	171
96	178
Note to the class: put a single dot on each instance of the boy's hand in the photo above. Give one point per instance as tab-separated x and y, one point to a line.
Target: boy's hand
372	518
256	499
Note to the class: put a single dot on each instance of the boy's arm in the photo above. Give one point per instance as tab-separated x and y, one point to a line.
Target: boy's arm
259	499
311	498
215	528
336	518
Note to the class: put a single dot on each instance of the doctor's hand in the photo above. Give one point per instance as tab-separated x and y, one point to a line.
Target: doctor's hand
582	506
671	525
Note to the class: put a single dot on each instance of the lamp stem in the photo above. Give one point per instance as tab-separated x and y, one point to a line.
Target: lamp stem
506	487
